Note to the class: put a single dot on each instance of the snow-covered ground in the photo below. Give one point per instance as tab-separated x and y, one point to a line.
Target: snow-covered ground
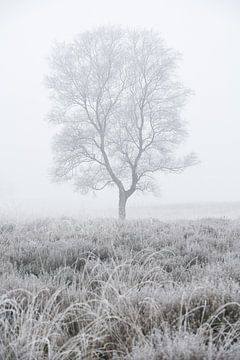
166	212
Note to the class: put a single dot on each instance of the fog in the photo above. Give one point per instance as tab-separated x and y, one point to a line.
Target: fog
206	33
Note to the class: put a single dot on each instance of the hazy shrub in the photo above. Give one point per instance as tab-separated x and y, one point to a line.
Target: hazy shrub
171	346
182	345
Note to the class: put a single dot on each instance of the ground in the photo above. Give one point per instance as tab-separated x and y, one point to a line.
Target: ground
100	289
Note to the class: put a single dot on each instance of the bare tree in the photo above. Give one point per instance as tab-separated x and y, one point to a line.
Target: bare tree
118	103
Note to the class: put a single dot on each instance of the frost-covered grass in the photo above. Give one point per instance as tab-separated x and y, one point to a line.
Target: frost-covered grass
108	290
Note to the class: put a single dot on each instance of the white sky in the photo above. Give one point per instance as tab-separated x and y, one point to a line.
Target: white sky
207	34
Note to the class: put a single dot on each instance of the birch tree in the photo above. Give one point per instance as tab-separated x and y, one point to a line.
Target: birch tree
118	104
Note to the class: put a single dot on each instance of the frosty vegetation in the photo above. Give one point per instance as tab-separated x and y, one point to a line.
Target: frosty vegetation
108	290
118	102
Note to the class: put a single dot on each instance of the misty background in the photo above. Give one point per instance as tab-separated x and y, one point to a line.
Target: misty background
206	33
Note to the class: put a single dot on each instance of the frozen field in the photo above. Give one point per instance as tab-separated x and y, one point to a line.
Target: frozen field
188	211
163	212
99	289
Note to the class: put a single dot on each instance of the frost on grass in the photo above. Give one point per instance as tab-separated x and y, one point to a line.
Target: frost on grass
105	290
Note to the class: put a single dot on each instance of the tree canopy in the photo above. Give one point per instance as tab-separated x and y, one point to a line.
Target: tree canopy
118	102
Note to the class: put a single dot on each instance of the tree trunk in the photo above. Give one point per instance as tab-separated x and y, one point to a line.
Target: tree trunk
122	205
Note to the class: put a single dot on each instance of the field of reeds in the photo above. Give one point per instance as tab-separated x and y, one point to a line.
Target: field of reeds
101	289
